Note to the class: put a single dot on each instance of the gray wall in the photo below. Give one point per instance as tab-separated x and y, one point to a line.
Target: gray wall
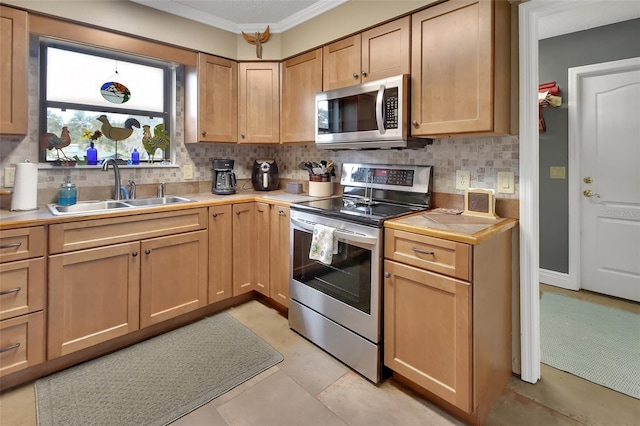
556	56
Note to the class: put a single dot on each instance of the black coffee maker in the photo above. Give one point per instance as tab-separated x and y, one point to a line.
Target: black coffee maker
265	176
224	179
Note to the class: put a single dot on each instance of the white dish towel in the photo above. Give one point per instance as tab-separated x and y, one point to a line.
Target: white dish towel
324	244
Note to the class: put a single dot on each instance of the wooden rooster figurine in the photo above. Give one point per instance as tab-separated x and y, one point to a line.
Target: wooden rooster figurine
50	141
118	133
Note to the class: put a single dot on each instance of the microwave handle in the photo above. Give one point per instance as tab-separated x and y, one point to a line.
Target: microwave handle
347	236
380	111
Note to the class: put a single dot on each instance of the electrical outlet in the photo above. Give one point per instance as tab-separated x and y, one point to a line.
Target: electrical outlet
187	171
506	183
9	177
463	179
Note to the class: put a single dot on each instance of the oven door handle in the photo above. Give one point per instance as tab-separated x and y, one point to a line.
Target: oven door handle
340	233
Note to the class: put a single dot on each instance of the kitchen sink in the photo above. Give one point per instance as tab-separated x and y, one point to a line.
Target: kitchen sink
84	207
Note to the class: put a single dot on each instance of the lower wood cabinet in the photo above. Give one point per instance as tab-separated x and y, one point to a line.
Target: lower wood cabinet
100	291
261	248
173	276
447	318
220	253
243	242
279	250
21	342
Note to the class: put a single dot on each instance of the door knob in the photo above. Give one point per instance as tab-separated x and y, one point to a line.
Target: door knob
589	193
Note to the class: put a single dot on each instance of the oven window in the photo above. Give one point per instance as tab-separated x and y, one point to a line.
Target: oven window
347	279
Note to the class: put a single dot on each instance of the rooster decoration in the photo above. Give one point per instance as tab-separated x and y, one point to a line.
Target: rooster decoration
51	140
118	133
257	39
159	140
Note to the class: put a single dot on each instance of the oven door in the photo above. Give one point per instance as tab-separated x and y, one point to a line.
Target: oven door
348	290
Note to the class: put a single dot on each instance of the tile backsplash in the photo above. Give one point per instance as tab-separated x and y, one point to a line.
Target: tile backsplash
483	157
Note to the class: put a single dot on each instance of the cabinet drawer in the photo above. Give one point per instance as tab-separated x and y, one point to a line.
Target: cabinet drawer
434	254
70	236
21	287
24	243
21	342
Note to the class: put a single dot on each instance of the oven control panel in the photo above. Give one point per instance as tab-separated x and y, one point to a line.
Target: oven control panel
401	177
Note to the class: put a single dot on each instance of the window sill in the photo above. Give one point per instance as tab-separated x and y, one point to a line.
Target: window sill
158	165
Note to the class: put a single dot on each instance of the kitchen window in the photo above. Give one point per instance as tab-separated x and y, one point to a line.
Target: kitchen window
76	93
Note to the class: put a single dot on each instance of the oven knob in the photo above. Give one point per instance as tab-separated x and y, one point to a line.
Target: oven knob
387	274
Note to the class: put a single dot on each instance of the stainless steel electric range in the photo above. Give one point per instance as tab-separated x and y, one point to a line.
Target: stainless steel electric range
338	304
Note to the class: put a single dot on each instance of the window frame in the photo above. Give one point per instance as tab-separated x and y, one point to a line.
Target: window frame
168	70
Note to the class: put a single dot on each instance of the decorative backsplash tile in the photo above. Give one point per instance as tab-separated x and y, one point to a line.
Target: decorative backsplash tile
483	157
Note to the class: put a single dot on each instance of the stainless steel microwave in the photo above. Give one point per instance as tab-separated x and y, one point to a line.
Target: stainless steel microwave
366	116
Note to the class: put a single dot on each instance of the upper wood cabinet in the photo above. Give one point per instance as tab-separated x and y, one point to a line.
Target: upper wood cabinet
259	102
380	52
14	55
301	79
460	72
211	106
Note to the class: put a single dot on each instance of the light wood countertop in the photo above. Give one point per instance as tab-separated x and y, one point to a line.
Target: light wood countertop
460	228
42	216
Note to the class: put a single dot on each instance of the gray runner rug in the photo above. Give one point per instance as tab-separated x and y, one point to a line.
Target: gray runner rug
596	342
158	380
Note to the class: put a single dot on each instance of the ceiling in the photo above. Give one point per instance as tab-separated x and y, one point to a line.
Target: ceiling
246	15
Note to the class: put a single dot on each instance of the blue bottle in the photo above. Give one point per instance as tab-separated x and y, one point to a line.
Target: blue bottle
92	155
135	156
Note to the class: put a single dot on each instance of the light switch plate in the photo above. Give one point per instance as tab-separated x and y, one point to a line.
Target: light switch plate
187	171
463	179
506	183
9	177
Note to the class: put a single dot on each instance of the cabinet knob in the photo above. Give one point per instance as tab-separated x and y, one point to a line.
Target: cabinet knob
355	75
415	123
281	212
242	135
364	73
147	251
215	215
134	254
238	213
204	133
387	275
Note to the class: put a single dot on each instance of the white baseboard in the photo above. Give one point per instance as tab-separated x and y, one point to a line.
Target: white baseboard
557	279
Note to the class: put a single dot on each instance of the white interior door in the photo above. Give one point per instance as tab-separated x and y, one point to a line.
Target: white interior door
606	117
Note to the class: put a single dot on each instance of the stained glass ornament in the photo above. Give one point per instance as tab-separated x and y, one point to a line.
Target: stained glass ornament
116	93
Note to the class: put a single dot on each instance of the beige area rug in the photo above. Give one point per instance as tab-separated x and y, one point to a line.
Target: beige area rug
156	381
592	341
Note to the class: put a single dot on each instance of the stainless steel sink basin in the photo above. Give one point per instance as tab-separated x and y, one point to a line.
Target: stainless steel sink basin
85	207
143	202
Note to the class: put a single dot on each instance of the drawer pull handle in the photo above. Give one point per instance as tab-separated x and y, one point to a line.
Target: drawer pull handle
12	245
417	250
13	290
9	348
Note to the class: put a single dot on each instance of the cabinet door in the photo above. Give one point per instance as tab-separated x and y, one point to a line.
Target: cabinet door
243	246
301	80
280	243
386	50
259	102
428	331
220	256
261	248
216	93
452	75
93	297
173	276
341	63
14	53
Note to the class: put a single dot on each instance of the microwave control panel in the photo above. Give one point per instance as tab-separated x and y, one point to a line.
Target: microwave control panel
391	108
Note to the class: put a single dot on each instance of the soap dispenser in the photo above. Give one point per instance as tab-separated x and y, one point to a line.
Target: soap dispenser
68	193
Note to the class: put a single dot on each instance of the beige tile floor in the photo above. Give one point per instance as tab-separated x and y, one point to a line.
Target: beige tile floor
312	388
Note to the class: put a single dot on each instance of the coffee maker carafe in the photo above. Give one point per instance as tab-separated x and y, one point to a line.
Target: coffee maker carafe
224	179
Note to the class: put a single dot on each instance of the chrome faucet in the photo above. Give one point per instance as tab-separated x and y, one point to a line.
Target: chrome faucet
132	189
161	190
116	176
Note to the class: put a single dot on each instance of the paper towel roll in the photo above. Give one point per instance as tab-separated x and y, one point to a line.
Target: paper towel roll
25	187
